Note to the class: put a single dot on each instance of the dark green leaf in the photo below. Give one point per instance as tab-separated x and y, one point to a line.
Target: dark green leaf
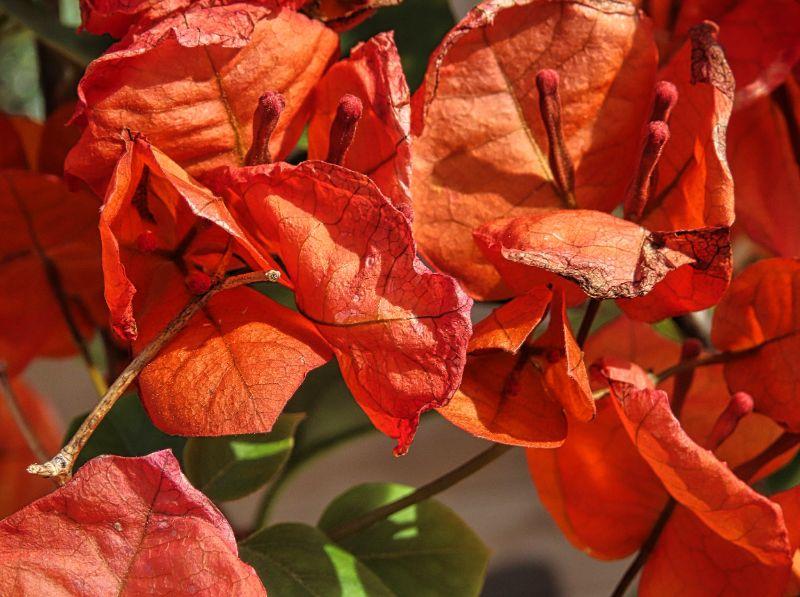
78	47
231	467
418	25
424	550
332	414
126	431
296	560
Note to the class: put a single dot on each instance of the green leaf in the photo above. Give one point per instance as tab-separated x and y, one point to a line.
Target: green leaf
81	48
126	431
424	550
783	479
332	414
296	560
228	468
418	25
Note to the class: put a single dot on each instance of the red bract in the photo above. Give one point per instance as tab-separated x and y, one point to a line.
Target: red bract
481	148
763	150
49	258
20	488
190	84
381	148
517	389
610	258
606	489
484	152
399	331
123	526
759	37
165	238
760	315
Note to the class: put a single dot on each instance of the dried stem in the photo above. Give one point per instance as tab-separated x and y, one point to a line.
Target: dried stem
54	278
60	466
747	470
644	552
588	319
12	402
423	493
714	359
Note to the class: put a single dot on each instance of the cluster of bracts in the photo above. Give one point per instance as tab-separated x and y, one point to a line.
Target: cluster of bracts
558	153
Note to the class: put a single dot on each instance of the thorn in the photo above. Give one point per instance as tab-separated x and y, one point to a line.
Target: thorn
266	117
343	129
638	195
547	82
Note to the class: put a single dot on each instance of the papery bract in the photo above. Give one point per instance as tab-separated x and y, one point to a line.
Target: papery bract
191	83
761	314
692	475
509	325
123	526
517	393
601	492
606	256
239	360
50	246
481	148
382	145
762	141
759	37
399	331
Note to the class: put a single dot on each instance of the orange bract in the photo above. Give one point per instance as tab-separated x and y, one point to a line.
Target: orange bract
50	245
153	533
691	474
606	256
382	145
761	314
481	150
191	82
160	228
766	169
399	331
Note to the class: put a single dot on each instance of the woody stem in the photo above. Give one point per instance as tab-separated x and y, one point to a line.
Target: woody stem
54	278
644	553
60	466
714	359
588	319
423	493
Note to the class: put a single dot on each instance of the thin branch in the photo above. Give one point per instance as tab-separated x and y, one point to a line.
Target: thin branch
13	405
63	300
644	553
747	470
60	466
714	359
588	319
423	493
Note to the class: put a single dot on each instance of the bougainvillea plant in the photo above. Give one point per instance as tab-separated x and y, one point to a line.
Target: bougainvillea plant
577	237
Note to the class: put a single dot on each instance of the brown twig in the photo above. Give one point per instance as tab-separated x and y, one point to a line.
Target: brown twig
644	552
586	323
60	466
423	493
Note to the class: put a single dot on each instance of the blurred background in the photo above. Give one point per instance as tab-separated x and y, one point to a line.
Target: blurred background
530	556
